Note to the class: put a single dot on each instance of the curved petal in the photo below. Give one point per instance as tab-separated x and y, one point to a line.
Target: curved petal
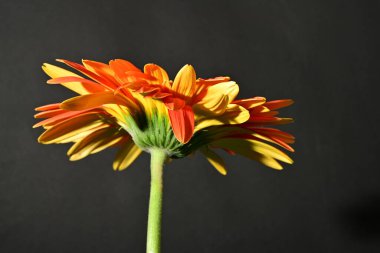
215	160
184	82
157	72
94	142
182	122
120	67
126	155
217	97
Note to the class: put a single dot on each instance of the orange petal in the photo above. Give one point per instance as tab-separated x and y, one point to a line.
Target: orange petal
182	122
250	102
123	66
277	104
140	75
49	114
63	116
48	107
120	67
184	82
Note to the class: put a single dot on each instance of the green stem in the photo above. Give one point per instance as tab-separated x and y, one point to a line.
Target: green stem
153	242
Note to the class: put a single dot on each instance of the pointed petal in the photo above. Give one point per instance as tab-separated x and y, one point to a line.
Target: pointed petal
89	101
215	160
126	155
182	122
49	114
184	82
277	104
48	107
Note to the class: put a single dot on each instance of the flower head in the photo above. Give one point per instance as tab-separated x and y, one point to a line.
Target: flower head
120	105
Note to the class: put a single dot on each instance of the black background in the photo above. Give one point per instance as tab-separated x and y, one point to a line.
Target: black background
323	54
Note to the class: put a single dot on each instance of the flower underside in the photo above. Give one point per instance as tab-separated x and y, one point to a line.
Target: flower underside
120	105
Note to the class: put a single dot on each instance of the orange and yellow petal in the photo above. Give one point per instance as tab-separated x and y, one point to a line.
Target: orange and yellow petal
184	82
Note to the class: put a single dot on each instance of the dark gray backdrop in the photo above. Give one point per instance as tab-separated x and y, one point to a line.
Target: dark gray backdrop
324	54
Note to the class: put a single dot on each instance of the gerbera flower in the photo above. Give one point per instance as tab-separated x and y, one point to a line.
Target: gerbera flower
120	105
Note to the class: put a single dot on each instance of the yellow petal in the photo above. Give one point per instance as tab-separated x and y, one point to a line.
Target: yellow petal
184	82
230	89
215	160
57	72
217	98
255	150
121	113
93	143
266	160
234	114
70	128
126	155
212	105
